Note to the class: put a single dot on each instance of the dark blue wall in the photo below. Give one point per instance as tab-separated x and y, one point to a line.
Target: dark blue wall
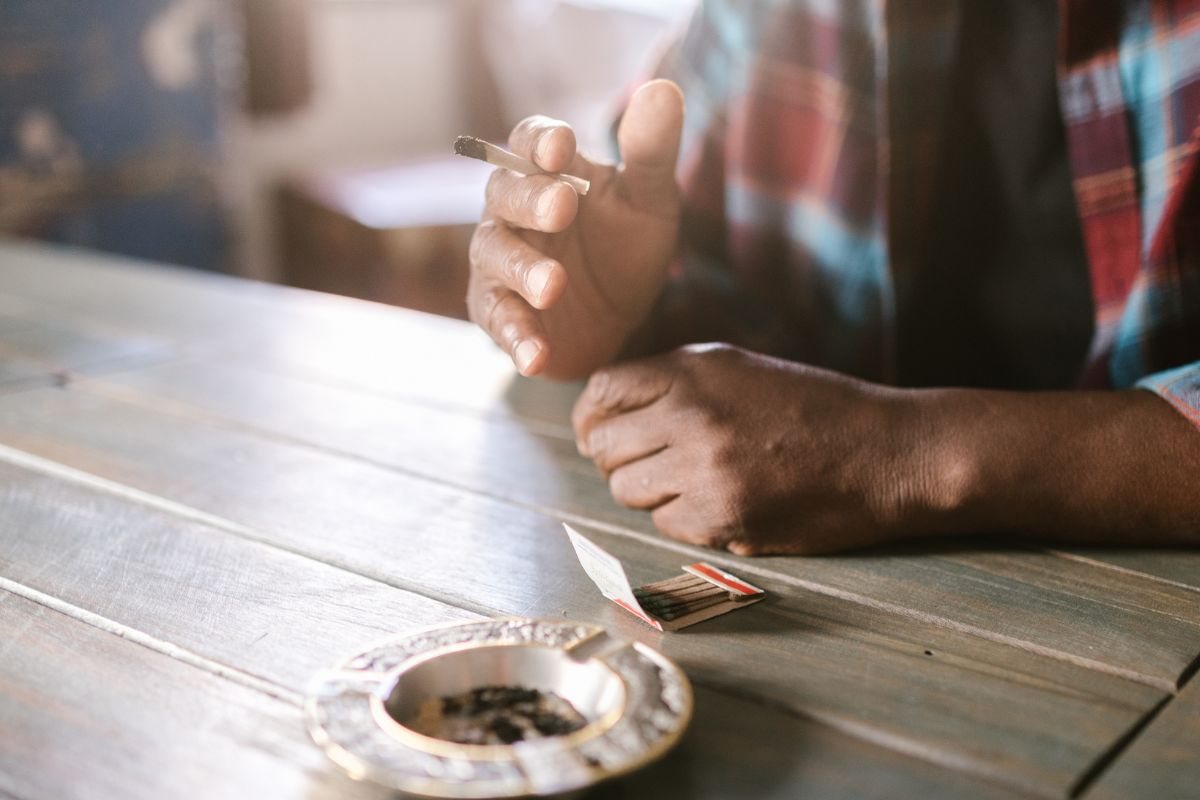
93	150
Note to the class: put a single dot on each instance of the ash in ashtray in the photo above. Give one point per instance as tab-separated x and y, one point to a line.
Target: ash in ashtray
496	715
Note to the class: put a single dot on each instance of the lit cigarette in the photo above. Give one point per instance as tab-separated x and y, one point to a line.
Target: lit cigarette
471	147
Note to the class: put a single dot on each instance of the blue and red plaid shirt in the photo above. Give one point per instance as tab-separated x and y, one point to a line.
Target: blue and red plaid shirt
810	149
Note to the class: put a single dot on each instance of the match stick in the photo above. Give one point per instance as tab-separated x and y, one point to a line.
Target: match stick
690	608
670	603
472	147
669	584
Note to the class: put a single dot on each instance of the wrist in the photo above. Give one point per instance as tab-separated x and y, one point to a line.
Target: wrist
1064	465
934	470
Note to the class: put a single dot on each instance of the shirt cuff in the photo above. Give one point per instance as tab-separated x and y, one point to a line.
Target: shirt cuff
1180	387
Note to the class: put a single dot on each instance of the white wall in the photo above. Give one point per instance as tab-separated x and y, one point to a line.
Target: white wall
389	84
386	85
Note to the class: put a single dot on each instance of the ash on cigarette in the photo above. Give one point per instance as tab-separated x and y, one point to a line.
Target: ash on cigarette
471	147
496	715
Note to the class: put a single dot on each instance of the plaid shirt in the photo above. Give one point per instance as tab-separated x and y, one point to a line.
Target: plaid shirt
808	163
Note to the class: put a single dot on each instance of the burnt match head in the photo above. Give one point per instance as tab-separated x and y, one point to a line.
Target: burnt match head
470	147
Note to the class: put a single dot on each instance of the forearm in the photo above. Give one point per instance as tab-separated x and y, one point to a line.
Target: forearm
1119	467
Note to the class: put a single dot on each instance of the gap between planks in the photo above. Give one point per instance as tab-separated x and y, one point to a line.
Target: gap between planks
187	350
1094	776
1110	757
186	411
538	426
1092	562
80	477
232	674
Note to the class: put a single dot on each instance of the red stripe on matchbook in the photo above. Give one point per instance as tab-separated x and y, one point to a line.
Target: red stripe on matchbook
725	579
637	613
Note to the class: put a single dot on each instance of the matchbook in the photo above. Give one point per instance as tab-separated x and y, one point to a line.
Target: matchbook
701	592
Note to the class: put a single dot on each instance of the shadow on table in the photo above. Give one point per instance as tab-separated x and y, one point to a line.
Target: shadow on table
720	755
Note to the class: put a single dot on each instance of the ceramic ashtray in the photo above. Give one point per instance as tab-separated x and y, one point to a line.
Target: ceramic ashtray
499	708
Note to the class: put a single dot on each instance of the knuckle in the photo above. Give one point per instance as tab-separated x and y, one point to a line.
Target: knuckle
495	189
512	266
696	356
526	129
600	388
480	242
598	445
744	547
492	302
724	457
621	486
527	196
715	534
473	303
579	414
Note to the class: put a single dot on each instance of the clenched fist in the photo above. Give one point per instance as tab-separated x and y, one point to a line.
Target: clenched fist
737	450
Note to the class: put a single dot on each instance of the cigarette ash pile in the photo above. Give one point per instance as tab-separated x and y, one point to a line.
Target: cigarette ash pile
496	715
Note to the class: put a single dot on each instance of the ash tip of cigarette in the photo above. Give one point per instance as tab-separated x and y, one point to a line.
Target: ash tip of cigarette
469	146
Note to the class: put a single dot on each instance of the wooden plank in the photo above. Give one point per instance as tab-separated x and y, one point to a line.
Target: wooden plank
1163	761
852	666
86	714
134	723
1180	566
13	369
734	749
38	350
206	322
275	614
1121	629
285	329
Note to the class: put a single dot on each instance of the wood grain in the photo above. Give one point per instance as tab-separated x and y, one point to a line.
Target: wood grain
1163	762
852	666
85	714
361	405
724	755
274	614
39	351
291	332
1119	628
1179	566
284	330
138	724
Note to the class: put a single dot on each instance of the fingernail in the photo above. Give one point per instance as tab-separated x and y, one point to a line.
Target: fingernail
582	447
545	204
525	353
537	279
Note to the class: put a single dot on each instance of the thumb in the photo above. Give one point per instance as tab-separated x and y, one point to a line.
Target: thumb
649	140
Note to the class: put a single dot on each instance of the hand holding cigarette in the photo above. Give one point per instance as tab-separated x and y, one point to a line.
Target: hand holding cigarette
560	282
473	147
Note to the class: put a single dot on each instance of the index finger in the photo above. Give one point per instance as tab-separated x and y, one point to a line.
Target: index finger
549	143
619	389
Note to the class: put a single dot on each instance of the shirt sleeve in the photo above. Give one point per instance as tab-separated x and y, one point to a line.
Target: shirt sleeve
1180	387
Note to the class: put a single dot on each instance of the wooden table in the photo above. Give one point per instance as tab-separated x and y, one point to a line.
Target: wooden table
214	488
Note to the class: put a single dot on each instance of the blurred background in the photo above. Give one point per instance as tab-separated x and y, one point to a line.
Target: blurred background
300	141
